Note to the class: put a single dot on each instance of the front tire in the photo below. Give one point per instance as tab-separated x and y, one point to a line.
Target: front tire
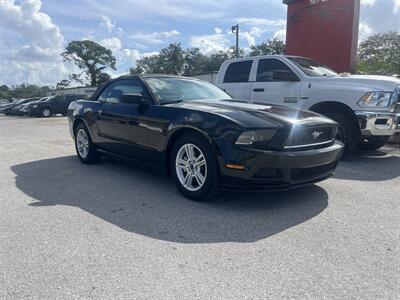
373	143
85	149
194	167
46	112
348	132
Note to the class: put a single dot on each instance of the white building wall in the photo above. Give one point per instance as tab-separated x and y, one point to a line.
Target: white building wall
210	77
88	91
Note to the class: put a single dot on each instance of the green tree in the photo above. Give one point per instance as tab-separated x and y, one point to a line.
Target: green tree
5	92
215	60
172	59
379	54
103	78
270	47
63	84
194	61
26	91
91	58
148	64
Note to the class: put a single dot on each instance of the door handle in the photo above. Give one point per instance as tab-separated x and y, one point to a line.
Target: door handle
258	90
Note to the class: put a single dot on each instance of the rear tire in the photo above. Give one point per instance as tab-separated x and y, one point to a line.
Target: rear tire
85	149
373	143
194	167
348	133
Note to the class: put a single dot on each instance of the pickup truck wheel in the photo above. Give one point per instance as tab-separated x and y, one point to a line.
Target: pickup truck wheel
373	143
85	149
194	168
347	133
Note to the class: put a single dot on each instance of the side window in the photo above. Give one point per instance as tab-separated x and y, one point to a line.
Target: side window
272	70
238	71
115	90
103	95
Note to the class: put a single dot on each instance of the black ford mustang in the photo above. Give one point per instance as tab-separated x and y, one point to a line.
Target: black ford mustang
206	140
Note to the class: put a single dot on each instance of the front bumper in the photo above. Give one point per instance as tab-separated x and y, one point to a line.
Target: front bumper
280	170
15	112
378	123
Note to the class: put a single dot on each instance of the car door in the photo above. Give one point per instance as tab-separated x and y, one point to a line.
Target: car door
122	125
236	81
276	83
57	104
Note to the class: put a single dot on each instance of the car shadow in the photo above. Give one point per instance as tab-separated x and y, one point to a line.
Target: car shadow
142	199
379	165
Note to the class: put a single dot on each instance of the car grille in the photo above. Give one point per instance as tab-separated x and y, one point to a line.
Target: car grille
300	174
302	138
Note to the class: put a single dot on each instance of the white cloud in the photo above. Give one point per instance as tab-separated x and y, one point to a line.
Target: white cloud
217	30
396	6
125	57
209	43
280	35
259	26
251	35
154	37
36	29
32	44
364	30
261	22
107	23
114	43
368	2
40	73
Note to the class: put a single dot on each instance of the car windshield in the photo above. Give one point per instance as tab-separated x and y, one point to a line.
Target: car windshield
172	89
312	67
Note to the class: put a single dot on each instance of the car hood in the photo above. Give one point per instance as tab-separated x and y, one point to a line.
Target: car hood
372	82
254	115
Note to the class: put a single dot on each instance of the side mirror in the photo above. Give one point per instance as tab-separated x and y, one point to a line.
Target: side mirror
284	75
133	99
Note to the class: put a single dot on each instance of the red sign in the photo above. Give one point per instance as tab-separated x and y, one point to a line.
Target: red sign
326	30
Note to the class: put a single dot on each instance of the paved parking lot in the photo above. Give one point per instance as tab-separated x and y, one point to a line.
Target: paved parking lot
122	231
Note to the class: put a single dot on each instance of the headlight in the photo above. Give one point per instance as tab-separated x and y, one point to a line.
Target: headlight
256	137
35	106
375	99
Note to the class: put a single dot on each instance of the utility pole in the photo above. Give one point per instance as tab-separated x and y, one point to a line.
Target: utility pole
235	29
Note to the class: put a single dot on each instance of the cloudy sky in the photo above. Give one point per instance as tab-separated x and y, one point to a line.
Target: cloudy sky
34	32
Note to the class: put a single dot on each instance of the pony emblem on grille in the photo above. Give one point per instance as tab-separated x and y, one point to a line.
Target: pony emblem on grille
316	134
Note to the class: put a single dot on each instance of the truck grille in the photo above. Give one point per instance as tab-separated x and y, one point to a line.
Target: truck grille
397	108
302	138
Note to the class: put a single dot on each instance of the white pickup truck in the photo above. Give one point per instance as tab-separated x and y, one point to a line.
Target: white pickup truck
366	107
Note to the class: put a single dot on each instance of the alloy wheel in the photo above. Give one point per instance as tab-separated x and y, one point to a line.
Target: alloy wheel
46	113
82	143
191	167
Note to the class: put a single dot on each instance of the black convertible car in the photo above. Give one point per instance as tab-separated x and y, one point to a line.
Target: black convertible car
205	139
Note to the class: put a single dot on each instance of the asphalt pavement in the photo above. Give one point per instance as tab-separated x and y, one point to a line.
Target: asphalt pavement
119	230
